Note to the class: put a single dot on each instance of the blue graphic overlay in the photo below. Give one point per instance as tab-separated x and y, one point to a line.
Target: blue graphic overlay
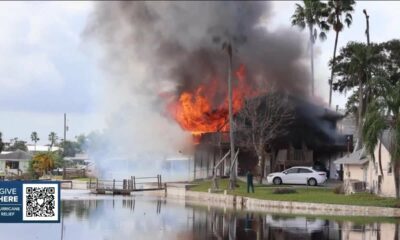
29	201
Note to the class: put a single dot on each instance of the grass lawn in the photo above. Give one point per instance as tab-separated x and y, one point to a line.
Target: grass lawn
304	194
78	179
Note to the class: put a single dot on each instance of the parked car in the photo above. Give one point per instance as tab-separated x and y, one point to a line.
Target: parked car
298	175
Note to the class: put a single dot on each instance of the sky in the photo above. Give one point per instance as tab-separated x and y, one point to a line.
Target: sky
46	69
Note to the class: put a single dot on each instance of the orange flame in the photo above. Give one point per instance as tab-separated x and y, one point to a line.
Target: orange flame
195	111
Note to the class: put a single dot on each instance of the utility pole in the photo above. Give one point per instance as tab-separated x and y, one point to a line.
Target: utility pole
65	127
232	172
64	140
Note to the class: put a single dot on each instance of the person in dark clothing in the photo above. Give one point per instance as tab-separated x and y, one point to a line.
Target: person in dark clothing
250	182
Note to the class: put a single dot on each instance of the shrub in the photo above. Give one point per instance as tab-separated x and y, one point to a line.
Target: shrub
284	190
339	189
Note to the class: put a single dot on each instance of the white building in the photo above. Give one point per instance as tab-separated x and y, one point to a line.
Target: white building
14	163
41	148
363	168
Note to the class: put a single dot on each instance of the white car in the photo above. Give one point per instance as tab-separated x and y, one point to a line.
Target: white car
298	175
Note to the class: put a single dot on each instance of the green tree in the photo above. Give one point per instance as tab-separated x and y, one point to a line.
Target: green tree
311	15
82	142
357	65
384	113
339	13
35	138
52	139
69	148
18	145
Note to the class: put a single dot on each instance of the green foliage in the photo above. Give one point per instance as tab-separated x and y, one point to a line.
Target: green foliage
69	148
373	126
357	62
31	171
82	142
339	12
18	145
42	163
53	139
58	159
311	15
377	67
34	137
304	194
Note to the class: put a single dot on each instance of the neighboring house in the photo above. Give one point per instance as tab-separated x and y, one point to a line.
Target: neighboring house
79	159
362	168
14	163
83	161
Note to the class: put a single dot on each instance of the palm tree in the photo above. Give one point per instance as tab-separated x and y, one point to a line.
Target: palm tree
52	139
354	67
227	41
338	9
311	15
35	138
384	113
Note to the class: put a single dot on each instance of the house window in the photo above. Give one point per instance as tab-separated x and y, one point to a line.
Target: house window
12	164
389	169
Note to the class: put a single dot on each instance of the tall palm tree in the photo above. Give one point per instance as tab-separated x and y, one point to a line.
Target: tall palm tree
354	67
52	139
311	15
384	113
339	13
35	138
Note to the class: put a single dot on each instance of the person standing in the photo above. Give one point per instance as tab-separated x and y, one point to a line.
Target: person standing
250	182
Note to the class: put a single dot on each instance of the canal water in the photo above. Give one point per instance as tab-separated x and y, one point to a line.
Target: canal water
151	217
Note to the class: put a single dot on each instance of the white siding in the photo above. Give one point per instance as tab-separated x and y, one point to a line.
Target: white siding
388	188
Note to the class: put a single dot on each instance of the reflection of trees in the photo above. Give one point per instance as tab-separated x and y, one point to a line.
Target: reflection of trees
227	225
81	208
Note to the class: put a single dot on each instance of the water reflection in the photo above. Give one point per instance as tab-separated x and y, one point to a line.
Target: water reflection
155	218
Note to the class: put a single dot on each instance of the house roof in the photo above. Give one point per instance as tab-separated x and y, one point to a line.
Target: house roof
358	157
16	155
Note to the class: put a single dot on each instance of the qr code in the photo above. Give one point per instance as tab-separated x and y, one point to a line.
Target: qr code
40	202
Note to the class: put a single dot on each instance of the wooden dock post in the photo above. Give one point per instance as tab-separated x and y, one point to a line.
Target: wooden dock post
165	189
97	183
113	186
160	182
124	184
134	182
90	183
131	188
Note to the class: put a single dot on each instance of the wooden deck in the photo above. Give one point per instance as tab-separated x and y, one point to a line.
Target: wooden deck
127	186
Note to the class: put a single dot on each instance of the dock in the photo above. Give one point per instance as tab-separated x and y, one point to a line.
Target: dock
127	186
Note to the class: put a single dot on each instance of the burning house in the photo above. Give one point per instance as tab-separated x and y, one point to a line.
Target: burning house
164	59
310	139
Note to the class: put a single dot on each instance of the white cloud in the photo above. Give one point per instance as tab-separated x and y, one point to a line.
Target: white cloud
42	70
32	36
